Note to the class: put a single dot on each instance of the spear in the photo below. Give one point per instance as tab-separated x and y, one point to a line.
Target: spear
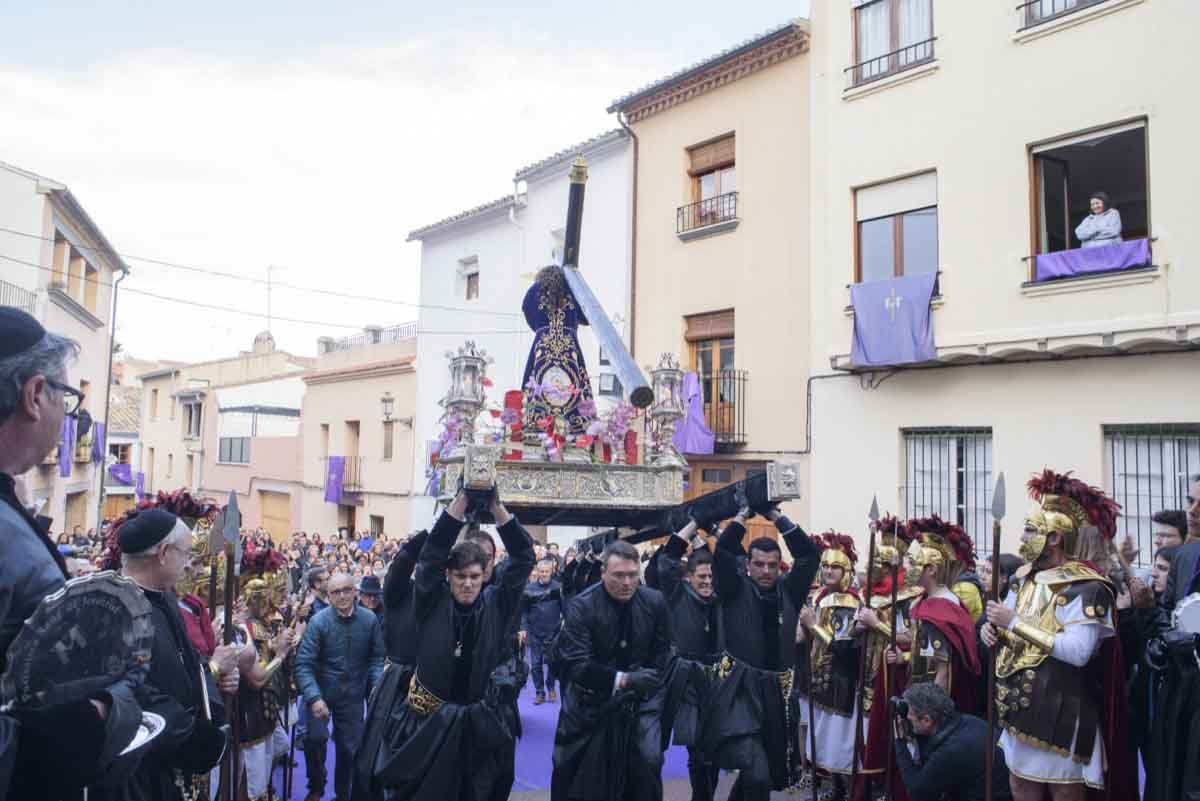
997	516
873	515
231	535
889	672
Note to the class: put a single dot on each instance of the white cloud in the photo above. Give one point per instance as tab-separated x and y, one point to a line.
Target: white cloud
320	164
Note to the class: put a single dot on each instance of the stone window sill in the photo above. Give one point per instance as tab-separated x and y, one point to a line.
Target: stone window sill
1072	19
895	79
1088	283
75	309
705	231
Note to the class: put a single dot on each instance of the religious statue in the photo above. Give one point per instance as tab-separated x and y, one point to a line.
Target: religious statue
556	380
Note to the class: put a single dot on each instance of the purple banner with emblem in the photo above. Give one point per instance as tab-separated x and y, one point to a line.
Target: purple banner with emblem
98	444
66	447
892	322
335	469
1102	259
122	473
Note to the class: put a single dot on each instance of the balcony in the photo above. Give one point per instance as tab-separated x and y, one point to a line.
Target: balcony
725	406
1035	12
351	473
83	449
1082	263
712	215
17	297
373	335
888	64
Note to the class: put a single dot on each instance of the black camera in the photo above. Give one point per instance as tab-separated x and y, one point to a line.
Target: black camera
898	706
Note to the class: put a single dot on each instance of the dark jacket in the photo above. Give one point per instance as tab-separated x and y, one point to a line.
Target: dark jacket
952	765
542	609
340	658
400	627
697	628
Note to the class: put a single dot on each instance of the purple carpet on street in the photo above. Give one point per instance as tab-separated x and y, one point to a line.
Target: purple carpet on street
334	470
122	473
1081	261
66	447
892	322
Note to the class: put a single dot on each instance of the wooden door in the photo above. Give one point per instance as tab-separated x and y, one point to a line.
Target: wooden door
275	514
711	475
76	511
713	362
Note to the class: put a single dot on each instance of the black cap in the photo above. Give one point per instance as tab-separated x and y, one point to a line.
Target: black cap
146	529
19	331
369	585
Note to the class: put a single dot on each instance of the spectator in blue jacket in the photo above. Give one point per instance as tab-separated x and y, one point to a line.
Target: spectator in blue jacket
541	616
340	660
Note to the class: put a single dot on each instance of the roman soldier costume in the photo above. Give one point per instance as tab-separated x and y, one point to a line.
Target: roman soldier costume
1058	674
829	652
883	680
944	639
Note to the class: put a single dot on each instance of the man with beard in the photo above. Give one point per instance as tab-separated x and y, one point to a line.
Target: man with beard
155	548
748	728
943	645
832	647
451	720
614	649
1059	678
1174	772
698	633
541	616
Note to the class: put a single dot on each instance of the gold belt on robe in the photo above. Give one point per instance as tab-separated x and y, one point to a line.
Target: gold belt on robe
421	700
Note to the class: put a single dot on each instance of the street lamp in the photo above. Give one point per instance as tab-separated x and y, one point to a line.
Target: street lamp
387	402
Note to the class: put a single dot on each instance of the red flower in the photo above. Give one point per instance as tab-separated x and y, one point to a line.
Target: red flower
487	382
585	441
495	412
546	423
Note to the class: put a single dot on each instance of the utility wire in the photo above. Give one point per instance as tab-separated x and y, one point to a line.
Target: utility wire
245	312
278	284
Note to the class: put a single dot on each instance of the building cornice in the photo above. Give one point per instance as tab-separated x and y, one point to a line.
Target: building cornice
766	50
560	162
493	208
356	372
74	308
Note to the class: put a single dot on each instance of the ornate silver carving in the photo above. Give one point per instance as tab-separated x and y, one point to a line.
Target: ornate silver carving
783	481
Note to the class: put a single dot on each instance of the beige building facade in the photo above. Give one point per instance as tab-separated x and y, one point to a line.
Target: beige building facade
968	139
720	275
56	264
359	403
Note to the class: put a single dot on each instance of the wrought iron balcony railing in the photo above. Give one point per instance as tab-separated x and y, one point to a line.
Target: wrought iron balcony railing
351	473
1035	12
906	57
17	297
710	211
725	406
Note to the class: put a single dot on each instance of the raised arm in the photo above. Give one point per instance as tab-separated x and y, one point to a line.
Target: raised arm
398	584
806	559
515	577
668	562
727	573
430	581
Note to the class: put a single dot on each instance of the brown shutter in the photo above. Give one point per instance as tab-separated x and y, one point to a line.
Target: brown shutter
711	155
714	325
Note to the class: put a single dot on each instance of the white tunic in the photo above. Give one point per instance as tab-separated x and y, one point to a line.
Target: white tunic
1076	645
835	738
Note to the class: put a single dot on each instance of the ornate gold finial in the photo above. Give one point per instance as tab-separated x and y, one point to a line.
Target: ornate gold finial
579	171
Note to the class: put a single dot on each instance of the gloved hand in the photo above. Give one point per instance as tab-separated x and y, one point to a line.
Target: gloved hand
642	682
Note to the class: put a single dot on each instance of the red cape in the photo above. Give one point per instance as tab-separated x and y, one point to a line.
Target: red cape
199	626
878	741
953	620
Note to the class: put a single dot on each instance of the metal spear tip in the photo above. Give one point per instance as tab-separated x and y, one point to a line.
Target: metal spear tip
874	513
998	498
233	520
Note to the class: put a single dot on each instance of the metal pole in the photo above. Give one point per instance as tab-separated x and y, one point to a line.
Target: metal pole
112	340
862	676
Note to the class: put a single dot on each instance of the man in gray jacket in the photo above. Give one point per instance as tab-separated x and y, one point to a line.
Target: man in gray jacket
340	661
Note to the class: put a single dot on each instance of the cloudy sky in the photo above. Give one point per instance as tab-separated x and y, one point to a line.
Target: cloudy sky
312	136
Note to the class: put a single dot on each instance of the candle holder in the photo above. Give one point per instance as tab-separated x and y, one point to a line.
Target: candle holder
667	410
466	397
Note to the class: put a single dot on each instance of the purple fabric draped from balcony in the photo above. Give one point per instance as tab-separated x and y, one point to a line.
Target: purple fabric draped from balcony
693	435
335	471
66	447
140	489
1081	261
122	473
98	444
892	322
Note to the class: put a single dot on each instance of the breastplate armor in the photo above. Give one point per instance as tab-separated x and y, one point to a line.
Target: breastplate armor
1043	701
930	648
833	682
877	642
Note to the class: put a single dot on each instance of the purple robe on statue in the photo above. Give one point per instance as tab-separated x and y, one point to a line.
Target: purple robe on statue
692	435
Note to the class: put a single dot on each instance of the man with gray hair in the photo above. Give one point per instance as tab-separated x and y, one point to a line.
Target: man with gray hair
940	751
34	400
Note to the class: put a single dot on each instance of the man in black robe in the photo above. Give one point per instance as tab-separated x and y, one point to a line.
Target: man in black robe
612	653
698	633
749	723
450	739
400	640
156	549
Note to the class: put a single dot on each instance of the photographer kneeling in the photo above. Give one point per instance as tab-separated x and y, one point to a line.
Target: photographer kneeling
951	749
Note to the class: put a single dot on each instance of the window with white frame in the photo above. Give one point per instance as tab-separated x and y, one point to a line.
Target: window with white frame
234	450
1148	468
948	473
890	36
468	273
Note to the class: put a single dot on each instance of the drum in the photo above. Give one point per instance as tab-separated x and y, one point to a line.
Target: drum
1187	614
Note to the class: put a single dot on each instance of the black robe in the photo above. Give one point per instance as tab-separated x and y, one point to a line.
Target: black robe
749	707
698	634
190	744
609	745
424	755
